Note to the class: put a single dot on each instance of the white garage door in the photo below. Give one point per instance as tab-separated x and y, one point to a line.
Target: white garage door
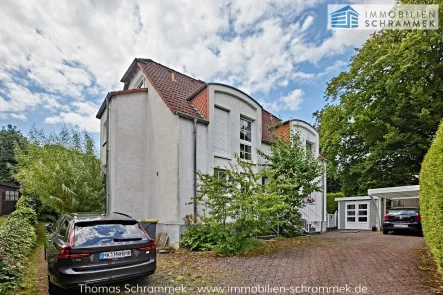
357	215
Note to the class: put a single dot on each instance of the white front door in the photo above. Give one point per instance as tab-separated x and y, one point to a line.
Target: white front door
357	215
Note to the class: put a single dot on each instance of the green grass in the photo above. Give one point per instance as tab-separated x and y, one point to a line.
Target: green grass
30	275
3	219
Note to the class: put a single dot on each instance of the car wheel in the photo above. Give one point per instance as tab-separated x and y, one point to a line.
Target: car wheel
52	289
385	232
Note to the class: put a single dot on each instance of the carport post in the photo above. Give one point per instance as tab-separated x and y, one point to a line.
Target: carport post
378	210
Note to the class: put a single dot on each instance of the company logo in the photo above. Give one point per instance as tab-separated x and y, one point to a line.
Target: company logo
344	18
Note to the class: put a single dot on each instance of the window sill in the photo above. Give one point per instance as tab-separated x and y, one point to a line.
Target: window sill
222	157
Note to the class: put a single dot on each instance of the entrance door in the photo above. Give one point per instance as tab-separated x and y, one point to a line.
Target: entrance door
357	215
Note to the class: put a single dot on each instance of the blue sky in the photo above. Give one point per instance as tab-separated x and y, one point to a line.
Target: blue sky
58	60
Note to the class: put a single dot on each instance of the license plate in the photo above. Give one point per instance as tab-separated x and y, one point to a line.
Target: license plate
400	225
115	254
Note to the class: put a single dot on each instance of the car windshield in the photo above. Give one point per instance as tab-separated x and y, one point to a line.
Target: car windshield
410	212
99	233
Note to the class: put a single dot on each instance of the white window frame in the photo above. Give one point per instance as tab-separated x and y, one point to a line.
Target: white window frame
140	83
244	142
311	145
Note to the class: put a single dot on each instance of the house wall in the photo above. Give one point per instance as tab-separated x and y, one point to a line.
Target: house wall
238	105
135	80
308	133
143	168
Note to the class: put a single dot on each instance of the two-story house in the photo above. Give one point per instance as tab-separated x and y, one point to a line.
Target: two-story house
164	126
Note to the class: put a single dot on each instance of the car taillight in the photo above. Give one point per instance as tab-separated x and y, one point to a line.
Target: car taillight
418	218
148	248
65	252
386	218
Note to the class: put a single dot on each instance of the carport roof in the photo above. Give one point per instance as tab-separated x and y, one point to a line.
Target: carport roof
398	192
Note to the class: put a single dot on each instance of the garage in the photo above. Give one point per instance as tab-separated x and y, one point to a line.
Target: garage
358	213
364	212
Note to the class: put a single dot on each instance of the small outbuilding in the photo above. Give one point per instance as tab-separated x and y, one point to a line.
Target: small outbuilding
358	212
9	195
364	212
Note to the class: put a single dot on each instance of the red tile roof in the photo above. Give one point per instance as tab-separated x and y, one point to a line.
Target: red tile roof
173	87
178	92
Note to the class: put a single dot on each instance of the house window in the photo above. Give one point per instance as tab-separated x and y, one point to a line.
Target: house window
310	147
140	84
219	173
245	139
221	133
264	180
245	151
11	195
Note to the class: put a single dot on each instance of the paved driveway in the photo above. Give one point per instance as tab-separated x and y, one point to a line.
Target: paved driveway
393	264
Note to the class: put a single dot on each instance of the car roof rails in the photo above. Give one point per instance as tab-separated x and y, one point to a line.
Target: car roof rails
129	216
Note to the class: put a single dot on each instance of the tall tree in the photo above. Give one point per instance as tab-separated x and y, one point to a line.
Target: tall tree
10	138
63	170
384	111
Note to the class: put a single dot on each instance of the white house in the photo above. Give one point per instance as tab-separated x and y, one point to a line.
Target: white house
164	126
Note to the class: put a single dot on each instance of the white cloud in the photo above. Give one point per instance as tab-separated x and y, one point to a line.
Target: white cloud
291	101
82	114
19	116
69	52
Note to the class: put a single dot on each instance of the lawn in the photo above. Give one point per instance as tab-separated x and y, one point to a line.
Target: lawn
3	219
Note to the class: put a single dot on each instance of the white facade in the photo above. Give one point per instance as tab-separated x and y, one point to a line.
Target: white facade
151	150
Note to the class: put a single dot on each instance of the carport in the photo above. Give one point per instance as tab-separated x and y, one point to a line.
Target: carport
407	194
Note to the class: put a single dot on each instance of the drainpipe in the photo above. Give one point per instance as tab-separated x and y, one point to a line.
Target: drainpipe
107	155
325	197
195	168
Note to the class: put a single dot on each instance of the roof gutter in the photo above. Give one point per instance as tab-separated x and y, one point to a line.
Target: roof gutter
186	116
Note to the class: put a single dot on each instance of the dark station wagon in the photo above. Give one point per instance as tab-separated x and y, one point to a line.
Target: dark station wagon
95	249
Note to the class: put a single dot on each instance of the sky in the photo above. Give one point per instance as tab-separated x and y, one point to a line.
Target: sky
59	59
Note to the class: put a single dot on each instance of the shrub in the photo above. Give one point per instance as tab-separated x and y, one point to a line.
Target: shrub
199	237
17	242
26	214
431	198
331	204
44	212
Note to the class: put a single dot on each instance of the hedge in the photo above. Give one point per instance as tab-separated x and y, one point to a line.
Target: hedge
431	198
331	204
18	238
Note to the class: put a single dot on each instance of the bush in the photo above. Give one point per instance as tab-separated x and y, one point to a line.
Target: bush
331	204
26	214
44	212
431	198
17	242
199	237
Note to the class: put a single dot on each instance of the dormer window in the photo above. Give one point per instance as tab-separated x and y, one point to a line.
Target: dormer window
140	84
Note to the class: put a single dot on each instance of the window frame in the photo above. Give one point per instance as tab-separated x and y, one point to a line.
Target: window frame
140	84
311	148
12	195
105	132
244	142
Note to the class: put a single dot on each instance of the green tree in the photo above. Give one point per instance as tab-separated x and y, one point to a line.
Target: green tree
296	173
10	138
237	207
63	170
384	111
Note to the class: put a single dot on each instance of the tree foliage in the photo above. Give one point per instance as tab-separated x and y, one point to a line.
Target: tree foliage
237	207
431	198
63	170
384	111
10	138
